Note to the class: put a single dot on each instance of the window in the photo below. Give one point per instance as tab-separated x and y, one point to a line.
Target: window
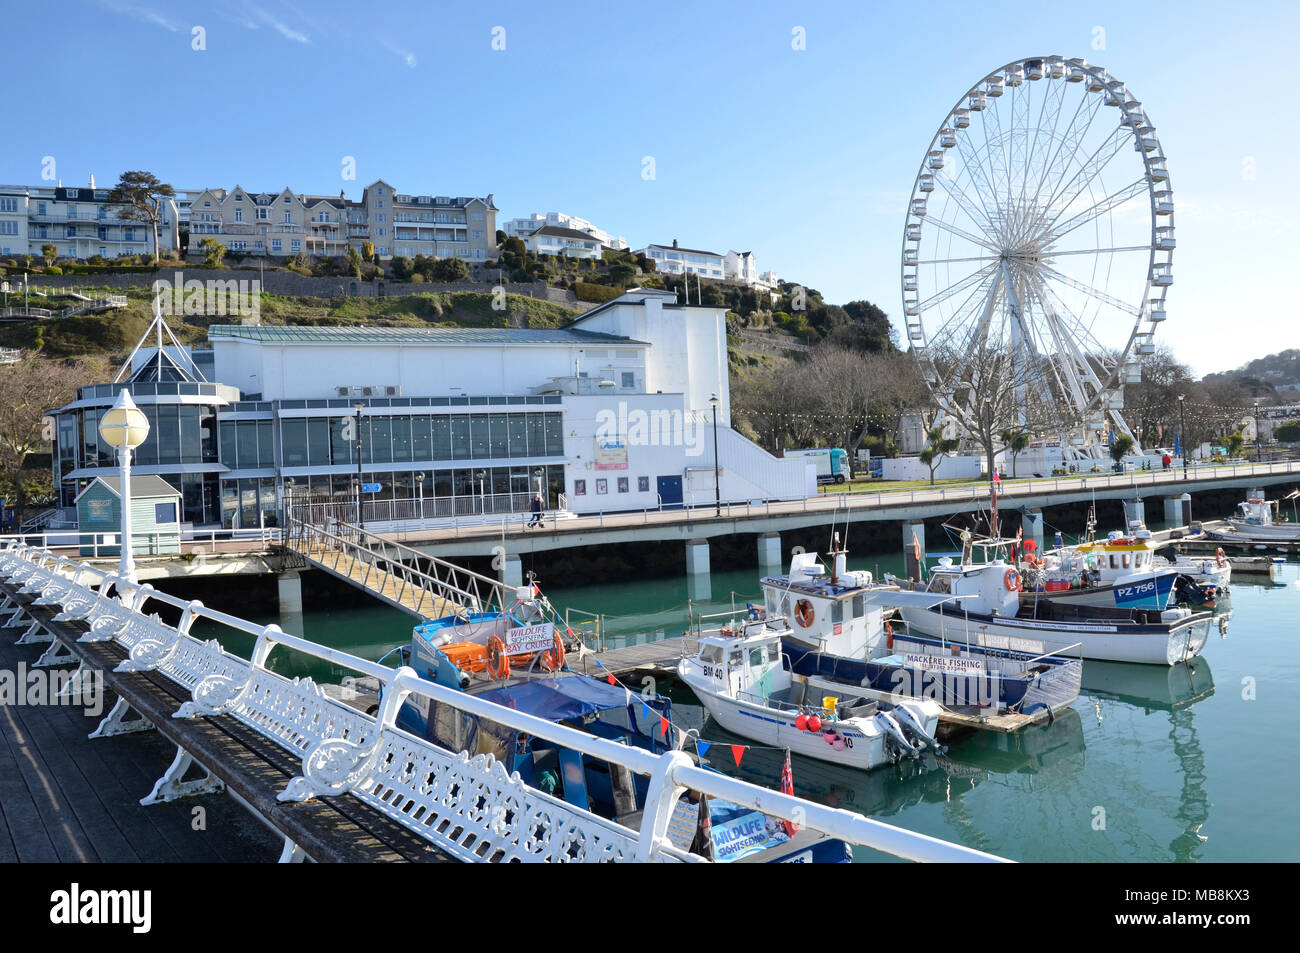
295	245
262	214
8	205
239	215
164	512
275	244
288	218
629	380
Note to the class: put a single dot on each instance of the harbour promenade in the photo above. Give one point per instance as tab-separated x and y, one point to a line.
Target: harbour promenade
335	782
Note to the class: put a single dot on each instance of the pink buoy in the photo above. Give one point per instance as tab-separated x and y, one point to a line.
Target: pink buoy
839	744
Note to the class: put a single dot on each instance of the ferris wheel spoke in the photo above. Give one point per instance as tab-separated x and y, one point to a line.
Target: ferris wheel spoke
1086	173
1065	347
974	277
962	233
1067	146
1075	328
973	302
976	213
1055	98
1109	250
954	261
1091	291
1112	201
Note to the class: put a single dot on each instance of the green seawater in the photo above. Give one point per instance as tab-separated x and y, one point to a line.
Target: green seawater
1191	763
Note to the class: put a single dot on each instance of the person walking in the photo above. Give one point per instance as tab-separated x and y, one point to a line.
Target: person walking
537	512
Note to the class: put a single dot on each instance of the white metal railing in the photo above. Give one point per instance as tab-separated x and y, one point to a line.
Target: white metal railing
419	508
467	806
144	542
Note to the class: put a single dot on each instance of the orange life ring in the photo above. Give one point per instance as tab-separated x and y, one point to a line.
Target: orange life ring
498	661
889	631
1012	580
553	658
803	613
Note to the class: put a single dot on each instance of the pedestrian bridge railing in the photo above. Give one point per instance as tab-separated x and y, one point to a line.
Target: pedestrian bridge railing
468	807
421	584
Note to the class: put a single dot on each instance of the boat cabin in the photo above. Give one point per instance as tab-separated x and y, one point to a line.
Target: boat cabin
992	587
1257	511
744	662
830	610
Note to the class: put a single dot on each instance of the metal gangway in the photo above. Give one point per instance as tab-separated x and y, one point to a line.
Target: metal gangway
417	583
463	804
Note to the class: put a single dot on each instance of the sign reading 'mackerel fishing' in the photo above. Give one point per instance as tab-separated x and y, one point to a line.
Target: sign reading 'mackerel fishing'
530	638
945	663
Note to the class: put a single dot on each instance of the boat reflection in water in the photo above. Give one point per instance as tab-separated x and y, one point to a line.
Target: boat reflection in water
1148	687
1174	690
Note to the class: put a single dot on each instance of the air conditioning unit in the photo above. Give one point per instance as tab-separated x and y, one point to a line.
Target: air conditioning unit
391	391
344	391
368	391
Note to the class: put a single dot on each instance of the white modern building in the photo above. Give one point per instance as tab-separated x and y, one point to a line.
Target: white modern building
675	260
613	412
563	242
78	222
521	228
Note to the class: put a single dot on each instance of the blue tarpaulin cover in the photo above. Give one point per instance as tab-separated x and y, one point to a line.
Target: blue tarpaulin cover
559	699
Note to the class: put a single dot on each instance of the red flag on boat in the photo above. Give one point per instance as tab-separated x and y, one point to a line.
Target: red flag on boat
612	679
663	727
737	752
787	787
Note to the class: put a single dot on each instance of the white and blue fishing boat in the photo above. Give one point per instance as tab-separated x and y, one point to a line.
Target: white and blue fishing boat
1260	520
982	605
842	635
1118	571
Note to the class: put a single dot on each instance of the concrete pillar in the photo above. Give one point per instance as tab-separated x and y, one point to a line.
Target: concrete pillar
914	537
1134	510
769	553
699	584
1034	526
697	557
1178	510
289	587
511	571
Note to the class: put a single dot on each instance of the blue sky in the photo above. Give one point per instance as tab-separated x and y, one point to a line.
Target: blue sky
806	157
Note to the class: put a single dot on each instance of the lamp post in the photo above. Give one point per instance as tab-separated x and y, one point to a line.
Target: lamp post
419	486
482	493
717	483
361	520
125	427
1182	432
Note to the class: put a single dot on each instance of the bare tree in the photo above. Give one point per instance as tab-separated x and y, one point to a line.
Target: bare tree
28	390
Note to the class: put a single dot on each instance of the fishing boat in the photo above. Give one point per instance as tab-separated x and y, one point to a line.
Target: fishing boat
1260	520
843	635
744	681
1118	571
983	605
516	659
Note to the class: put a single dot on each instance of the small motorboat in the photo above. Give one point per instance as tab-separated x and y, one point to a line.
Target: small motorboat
1259	520
744	680
1214	571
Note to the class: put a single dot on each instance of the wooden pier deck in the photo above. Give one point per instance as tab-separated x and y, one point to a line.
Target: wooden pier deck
661	655
66	797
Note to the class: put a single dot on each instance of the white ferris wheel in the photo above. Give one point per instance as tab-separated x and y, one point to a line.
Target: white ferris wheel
1040	226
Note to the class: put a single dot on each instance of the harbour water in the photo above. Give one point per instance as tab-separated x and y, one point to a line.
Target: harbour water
1190	763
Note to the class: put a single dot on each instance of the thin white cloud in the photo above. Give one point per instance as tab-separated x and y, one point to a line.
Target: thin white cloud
140	13
251	16
406	56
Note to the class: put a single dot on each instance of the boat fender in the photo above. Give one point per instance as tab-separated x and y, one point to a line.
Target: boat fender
1012	580
889	635
804	613
814	723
